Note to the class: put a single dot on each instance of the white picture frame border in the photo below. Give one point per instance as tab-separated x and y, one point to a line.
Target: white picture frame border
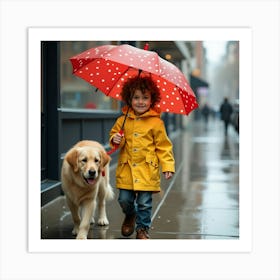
36	35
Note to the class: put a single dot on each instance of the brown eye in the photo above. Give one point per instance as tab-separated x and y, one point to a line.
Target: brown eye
84	160
96	160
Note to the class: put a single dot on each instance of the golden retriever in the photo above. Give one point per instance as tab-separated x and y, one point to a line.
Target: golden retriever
85	180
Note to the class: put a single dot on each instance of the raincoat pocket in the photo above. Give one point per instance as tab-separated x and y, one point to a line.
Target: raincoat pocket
153	164
123	170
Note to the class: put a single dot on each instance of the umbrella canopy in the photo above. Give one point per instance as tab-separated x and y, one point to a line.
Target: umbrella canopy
107	68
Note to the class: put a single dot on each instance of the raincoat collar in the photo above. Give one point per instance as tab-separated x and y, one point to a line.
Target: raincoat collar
152	112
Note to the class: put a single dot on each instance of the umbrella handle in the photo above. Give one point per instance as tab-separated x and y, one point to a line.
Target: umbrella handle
116	146
121	132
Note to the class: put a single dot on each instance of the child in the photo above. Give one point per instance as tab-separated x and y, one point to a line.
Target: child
143	148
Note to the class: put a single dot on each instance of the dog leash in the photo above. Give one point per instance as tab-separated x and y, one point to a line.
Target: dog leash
121	132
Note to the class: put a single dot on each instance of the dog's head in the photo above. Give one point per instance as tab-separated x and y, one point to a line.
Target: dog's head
88	161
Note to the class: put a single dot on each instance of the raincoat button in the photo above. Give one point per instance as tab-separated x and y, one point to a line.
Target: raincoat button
134	164
135	134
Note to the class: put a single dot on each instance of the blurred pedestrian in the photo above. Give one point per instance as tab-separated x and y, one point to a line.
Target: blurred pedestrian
144	147
205	111
226	111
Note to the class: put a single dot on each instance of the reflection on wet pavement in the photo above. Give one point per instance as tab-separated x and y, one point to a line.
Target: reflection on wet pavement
200	202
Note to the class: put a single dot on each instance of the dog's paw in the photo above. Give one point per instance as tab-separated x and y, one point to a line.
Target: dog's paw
92	221
75	231
81	236
103	221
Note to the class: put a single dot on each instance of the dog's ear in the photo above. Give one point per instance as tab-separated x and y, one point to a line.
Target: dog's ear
72	158
105	158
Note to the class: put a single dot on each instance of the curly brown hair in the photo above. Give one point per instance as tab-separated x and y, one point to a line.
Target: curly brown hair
142	83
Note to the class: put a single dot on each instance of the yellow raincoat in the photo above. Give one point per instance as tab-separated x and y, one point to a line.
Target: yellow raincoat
145	148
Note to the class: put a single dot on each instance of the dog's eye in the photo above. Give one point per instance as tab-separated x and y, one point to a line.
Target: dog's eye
84	160
96	160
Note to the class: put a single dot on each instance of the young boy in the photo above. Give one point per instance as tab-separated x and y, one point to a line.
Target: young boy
144	148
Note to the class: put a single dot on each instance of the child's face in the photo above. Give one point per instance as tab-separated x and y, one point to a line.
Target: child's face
141	102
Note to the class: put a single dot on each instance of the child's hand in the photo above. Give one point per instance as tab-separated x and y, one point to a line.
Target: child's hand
117	138
168	175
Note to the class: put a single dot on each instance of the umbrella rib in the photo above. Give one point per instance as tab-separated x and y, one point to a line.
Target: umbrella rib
118	79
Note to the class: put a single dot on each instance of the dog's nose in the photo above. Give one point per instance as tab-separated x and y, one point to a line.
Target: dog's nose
92	173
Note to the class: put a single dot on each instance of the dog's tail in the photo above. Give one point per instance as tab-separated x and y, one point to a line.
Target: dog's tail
110	193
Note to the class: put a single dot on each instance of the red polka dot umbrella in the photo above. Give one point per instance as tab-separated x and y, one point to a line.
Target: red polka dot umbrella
107	67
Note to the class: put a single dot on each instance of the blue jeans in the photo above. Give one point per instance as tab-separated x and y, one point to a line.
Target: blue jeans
139	203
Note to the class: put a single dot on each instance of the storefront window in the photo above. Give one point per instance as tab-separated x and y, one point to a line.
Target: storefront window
76	93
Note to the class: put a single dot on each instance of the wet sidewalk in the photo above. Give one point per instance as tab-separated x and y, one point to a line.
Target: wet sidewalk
201	201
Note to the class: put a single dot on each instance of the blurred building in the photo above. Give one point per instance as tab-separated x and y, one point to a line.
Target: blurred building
232	67
223	75
198	79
